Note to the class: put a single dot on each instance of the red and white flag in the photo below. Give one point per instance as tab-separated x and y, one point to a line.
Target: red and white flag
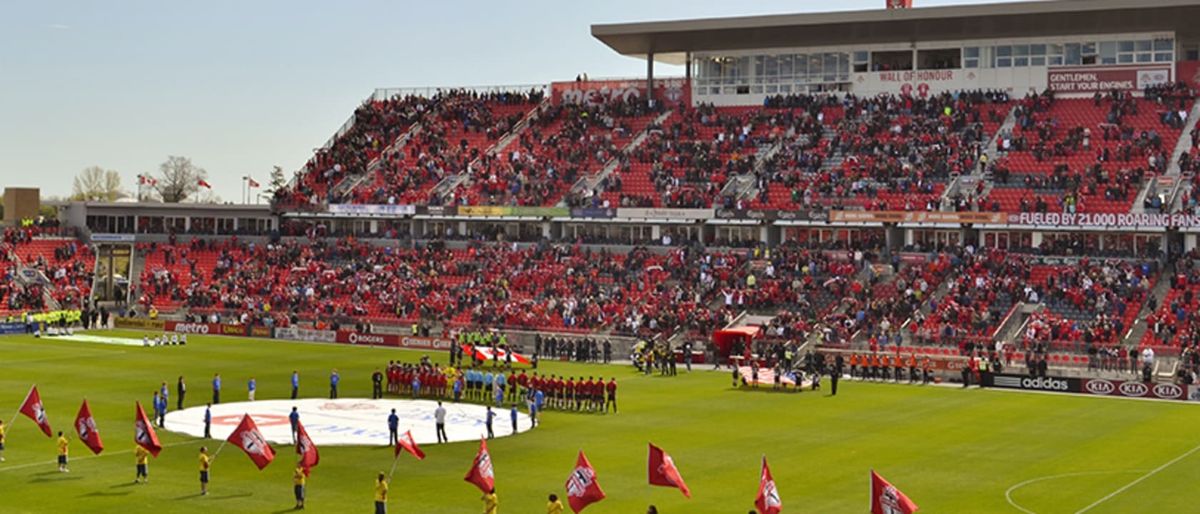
204	183
147	180
85	425
886	499
768	501
143	432
247	437
32	407
251	182
306	449
406	443
481	473
485	354
663	472
582	487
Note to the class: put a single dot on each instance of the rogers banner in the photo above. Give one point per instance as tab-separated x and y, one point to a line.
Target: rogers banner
413	342
671	92
1092	80
1130	389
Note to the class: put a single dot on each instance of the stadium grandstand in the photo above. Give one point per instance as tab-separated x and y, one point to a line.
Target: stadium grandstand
1015	183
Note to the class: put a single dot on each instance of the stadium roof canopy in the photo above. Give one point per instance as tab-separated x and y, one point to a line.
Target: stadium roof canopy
670	41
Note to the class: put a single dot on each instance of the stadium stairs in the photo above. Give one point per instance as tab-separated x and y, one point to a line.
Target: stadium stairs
589	182
1158	294
351	182
463	177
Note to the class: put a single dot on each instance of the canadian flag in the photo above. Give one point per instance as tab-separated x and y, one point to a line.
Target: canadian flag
309	458
886	499
406	443
247	437
143	432
768	501
582	488
481	473
204	183
485	354
85	425
32	407
252	183
663	472
147	180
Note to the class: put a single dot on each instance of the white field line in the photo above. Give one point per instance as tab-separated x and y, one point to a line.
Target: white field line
49	463
1138	480
1008	493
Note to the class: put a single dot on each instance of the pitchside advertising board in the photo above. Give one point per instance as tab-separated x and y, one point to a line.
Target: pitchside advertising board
1130	389
1028	383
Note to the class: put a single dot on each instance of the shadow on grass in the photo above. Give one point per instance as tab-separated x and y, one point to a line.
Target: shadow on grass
59	478
98	494
214	498
124	485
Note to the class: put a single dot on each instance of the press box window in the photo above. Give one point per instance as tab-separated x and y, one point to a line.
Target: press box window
940	59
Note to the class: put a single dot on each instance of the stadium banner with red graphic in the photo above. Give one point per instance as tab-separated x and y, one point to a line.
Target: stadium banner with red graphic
670	91
1091	79
1188	71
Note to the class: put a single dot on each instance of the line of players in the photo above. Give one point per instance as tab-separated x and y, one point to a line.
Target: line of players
174	339
883	367
427	380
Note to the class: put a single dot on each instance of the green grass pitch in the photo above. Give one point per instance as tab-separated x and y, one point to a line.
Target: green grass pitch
951	450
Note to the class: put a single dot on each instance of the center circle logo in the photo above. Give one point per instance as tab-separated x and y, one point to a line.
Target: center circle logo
349	421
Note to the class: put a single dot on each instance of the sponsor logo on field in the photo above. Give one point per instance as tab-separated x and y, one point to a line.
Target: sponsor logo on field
1100	387
347	421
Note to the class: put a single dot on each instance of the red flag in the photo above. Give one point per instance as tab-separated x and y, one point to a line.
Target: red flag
85	425
886	499
247	437
481	473
663	471
582	488
306	449
143	432
768	501
204	183
406	443
252	182
32	407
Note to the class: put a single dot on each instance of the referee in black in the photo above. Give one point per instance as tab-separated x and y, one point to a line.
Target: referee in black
835	374
376	385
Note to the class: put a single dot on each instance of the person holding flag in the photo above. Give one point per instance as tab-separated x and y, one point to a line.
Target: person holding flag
1	440
309	457
768	501
146	441
85	425
381	494
142	458
554	505
205	462
63	448
406	443
491	503
299	483
481	474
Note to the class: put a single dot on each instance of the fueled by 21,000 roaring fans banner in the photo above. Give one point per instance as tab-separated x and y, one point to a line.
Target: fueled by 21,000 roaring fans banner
671	92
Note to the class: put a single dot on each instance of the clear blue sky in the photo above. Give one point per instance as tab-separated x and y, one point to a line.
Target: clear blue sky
240	86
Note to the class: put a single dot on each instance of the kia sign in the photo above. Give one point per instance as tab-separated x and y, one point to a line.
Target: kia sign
1130	389
1028	383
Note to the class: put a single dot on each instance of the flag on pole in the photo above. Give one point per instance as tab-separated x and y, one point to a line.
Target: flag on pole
247	437
252	182
309	458
768	501
143	432
147	180
481	473
85	425
406	443
663	472
886	499
33	409
582	487
204	183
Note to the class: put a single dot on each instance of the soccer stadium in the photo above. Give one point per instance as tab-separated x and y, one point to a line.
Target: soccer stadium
938	258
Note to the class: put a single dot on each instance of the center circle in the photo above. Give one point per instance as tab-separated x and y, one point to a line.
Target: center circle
348	421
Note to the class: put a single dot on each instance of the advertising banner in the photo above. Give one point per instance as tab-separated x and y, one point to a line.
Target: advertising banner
12	328
1028	383
1090	79
437	210
305	334
372	209
139	323
691	214
113	238
1131	389
593	212
411	342
670	91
